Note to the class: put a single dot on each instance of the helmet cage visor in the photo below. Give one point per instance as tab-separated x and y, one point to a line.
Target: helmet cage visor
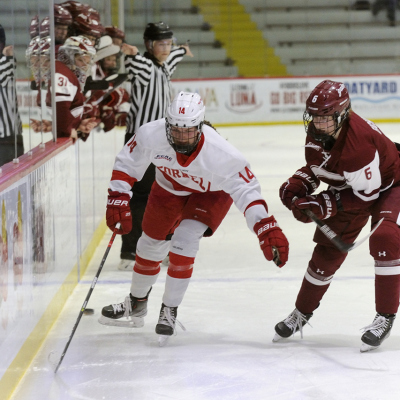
322	127
183	139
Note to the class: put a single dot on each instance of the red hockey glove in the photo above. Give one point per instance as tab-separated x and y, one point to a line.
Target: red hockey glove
90	110
118	210
302	183
273	242
322	205
115	98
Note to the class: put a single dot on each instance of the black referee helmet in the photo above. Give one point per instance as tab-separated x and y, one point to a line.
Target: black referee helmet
157	31
2	40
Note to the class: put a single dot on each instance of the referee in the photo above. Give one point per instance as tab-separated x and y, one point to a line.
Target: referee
150	76
11	142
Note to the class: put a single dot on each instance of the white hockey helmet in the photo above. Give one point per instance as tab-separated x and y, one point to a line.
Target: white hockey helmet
77	46
185	113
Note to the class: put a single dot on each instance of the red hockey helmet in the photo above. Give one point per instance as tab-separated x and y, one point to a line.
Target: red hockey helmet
75	8
34	27
84	25
62	16
328	99
44	27
114	32
93	14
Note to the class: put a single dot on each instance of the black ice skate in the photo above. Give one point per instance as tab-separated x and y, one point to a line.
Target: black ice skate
166	323
133	309
377	332
289	326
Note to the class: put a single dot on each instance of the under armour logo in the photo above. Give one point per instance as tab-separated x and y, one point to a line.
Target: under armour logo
383	254
321	272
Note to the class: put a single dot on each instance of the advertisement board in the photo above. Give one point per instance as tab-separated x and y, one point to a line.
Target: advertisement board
266	100
282	100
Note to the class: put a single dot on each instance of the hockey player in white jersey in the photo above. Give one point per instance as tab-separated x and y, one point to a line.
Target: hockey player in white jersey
198	176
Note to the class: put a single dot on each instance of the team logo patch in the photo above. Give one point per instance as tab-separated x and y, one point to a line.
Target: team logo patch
162	157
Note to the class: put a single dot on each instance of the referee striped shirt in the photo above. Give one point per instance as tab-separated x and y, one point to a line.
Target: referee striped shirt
150	87
10	121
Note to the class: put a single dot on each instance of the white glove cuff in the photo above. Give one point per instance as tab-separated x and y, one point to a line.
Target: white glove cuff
255	214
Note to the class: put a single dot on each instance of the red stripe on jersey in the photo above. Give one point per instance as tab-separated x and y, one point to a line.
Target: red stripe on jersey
122	176
177	186
257	202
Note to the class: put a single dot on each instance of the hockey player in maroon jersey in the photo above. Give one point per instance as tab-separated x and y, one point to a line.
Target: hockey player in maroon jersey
198	176
62	23
362	168
75	59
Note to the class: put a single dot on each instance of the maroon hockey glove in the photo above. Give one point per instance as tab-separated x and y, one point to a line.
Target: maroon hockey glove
108	120
322	205
118	210
273	242
302	183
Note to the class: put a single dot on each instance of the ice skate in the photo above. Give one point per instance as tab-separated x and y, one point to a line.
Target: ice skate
166	324
377	332
127	262
289	326
130	313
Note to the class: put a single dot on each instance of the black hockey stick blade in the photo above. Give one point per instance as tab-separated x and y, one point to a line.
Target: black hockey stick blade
88	296
117	79
92	84
334	238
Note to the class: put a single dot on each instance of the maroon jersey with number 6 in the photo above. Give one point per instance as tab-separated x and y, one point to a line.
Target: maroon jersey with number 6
362	163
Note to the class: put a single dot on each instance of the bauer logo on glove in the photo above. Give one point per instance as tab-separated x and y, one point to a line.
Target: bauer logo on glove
117	202
266	227
118	210
273	242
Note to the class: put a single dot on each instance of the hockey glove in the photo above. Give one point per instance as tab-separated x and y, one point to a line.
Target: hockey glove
273	242
118	210
322	205
302	183
108	119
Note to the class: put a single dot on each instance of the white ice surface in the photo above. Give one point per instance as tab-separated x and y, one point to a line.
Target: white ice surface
233	302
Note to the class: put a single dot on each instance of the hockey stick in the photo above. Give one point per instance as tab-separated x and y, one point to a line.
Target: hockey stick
88	295
116	79
334	238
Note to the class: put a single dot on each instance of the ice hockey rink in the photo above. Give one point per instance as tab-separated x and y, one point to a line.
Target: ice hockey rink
233	302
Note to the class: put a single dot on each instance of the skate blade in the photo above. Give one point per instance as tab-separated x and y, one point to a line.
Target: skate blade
134	322
163	340
277	338
366	347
